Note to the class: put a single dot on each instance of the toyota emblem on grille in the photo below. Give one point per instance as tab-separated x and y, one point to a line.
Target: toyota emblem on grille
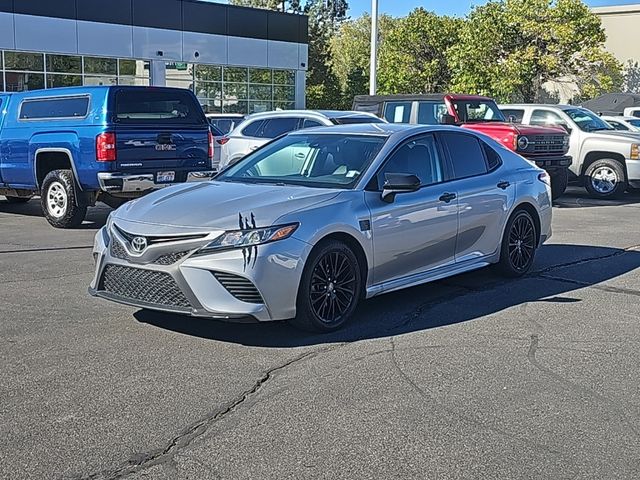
138	244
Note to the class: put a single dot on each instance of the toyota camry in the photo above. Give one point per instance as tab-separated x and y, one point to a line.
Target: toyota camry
317	220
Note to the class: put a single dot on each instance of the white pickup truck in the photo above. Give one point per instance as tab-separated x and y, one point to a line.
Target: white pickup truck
605	161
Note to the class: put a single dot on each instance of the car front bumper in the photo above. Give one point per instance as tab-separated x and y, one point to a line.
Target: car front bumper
257	283
551	163
633	172
127	183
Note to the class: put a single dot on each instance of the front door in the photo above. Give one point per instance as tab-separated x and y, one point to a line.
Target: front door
416	232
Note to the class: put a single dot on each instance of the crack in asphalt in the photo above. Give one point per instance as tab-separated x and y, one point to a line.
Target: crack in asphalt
184	439
576	388
603	288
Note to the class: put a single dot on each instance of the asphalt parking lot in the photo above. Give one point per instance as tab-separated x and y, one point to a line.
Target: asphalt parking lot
472	377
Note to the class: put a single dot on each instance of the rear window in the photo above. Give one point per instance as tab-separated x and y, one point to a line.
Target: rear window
397	112
61	107
354	120
158	106
516	113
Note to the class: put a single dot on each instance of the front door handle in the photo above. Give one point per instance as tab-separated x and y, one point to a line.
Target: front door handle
503	185
447	197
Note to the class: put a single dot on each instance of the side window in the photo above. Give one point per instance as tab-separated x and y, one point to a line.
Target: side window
308	123
253	129
493	158
467	155
517	114
430	113
69	107
278	126
546	118
397	112
617	125
420	157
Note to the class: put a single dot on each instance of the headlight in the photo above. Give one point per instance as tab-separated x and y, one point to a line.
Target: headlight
249	238
523	143
635	152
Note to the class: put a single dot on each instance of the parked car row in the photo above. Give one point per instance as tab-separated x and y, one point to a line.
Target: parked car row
573	144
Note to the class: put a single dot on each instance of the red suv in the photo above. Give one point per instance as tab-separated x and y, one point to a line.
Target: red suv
546	146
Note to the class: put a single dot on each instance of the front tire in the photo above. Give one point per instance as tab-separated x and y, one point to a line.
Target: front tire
330	288
61	207
519	244
559	182
605	179
17	200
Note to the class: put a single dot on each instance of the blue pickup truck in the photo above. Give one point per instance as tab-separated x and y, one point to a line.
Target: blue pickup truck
75	146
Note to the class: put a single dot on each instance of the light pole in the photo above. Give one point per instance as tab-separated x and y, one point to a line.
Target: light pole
374	48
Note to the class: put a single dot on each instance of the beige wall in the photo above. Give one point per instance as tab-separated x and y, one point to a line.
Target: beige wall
621	23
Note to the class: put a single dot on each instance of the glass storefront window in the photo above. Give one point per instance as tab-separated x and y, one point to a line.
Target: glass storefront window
188	84
135	81
235	90
58	80
235	74
209	89
260	92
33	62
260	75
100	66
284	94
284	77
284	105
208	73
64	64
235	106
100	80
18	82
257	107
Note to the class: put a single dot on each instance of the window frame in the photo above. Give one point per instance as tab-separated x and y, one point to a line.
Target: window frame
482	144
374	185
54	97
266	122
548	111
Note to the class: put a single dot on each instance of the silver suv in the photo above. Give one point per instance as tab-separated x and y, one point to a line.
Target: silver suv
260	128
605	161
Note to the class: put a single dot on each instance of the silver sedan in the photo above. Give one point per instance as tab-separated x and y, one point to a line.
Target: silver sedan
315	221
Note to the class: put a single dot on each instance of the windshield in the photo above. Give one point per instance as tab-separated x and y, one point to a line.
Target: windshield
311	160
478	111
635	123
587	121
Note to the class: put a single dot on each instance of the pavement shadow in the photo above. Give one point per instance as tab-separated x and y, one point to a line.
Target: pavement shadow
408	310
577	197
96	216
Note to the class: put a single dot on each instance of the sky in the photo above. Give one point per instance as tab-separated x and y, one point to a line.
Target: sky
444	7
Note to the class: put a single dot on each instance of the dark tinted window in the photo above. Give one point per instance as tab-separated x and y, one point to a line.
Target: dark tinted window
253	129
278	126
69	107
517	114
225	125
158	106
616	125
466	154
353	120
215	131
493	159
546	118
308	123
636	113
397	112
430	113
419	157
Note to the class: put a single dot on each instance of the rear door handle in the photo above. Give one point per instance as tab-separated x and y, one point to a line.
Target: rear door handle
447	197
503	185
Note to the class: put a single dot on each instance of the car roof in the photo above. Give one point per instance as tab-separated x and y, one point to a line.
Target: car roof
537	105
225	115
619	117
310	113
378	129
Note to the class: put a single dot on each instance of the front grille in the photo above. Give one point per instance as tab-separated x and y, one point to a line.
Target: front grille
239	287
151	240
148	286
118	251
548	144
170	258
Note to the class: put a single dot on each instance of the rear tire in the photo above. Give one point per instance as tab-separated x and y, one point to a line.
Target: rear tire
519	244
605	179
559	182
17	200
60	205
330	288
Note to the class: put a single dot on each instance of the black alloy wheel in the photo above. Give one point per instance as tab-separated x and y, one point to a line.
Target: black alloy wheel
519	245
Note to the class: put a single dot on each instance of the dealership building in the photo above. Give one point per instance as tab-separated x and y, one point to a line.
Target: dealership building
620	23
235	59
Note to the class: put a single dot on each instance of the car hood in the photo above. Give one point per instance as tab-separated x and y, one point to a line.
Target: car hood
493	128
618	135
219	205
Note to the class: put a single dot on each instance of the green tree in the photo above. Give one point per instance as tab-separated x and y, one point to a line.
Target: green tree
509	48
632	77
413	56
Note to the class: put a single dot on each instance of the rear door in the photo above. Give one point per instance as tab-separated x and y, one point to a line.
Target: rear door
159	129
485	194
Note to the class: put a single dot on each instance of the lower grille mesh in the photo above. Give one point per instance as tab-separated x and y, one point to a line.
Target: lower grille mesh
239	287
117	250
170	258
148	286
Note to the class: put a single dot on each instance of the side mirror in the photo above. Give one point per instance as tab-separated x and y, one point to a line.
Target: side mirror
448	119
398	183
566	128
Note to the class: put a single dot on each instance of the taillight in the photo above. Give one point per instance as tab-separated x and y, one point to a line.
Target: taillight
222	140
106	147
544	178
210	145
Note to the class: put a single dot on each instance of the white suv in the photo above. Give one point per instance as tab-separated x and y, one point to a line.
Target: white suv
260	128
605	161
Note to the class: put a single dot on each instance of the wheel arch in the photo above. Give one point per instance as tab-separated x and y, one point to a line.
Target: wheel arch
594	156
531	210
48	159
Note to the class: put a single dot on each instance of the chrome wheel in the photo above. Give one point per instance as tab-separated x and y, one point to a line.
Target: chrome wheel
522	238
604	179
57	200
333	287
